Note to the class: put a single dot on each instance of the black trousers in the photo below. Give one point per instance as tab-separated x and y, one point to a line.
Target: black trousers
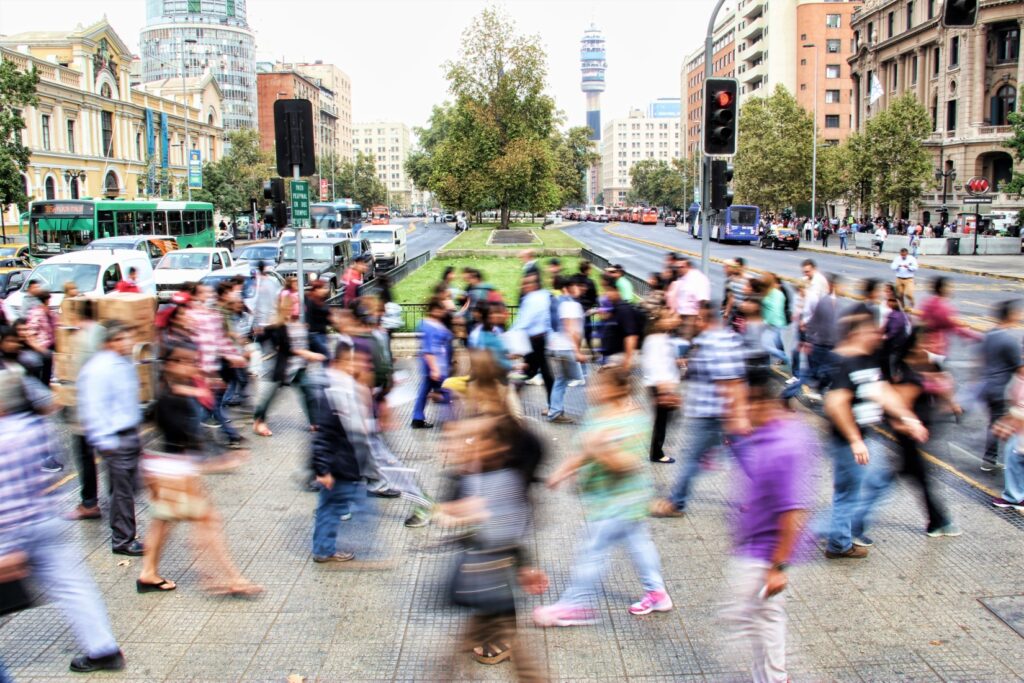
915	467
122	475
86	471
996	410
662	418
536	361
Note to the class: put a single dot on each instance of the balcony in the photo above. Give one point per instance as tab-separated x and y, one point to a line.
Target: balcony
754	11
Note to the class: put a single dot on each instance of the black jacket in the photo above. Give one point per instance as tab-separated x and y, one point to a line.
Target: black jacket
332	452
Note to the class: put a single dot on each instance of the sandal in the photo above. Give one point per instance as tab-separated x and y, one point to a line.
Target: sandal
163	586
261	429
492	653
242	589
664	508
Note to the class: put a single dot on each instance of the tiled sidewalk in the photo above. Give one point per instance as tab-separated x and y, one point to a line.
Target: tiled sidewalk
910	612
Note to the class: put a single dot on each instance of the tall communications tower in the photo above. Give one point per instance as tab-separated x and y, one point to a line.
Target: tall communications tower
592	68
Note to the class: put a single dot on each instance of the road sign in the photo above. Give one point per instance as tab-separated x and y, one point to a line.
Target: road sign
300	202
978	185
977	200
323	189
195	169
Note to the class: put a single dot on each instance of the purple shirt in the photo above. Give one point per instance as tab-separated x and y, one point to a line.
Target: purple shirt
777	461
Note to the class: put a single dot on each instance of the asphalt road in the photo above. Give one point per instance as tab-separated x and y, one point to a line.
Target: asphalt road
957	444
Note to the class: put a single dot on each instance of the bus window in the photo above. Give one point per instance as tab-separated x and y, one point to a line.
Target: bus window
106	224
125	223
207	219
189	218
144	222
160	222
174	223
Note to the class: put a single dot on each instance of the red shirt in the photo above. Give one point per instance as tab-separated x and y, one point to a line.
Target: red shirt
128	286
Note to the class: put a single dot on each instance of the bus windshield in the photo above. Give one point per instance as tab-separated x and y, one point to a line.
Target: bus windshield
54	275
58	235
743	216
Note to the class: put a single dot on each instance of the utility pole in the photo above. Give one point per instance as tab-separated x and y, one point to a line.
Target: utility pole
186	148
705	192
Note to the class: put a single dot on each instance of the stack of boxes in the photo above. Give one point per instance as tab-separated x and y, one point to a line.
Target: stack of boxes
138	311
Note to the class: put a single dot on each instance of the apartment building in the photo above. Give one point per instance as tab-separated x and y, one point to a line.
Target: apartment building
625	141
389	144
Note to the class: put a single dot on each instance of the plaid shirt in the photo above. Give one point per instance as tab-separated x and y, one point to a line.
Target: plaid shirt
717	356
27	439
210	337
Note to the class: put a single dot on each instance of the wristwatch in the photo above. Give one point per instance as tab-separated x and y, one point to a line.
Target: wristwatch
780	566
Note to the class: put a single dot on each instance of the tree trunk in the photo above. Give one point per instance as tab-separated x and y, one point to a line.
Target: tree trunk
504	215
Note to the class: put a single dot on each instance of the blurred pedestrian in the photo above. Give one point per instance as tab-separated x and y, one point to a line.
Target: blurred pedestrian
108	400
435	363
588	300
88	339
686	294
130	283
615	484
1011	428
534	319
905	267
939	317
1001	357
660	362
620	326
563	346
41	330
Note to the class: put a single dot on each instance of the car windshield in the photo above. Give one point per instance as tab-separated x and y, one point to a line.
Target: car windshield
184	260
258	253
8	251
379	236
310	252
100	244
54	275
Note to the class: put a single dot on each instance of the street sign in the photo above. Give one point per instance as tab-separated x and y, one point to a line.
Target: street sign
300	202
323	189
978	185
195	169
977	200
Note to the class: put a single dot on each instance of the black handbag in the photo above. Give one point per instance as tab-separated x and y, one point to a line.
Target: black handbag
484	579
14	597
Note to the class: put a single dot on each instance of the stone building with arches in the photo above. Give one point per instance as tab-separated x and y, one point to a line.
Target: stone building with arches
94	135
969	80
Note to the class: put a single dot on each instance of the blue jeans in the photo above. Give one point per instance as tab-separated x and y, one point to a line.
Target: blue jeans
331	505
1013	477
856	491
58	569
771	341
706	433
820	363
566	369
426	386
220	417
593	561
842	241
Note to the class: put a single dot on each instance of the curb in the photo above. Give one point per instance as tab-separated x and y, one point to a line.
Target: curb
946	269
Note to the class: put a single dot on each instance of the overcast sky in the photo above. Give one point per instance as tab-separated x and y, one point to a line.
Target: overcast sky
393	49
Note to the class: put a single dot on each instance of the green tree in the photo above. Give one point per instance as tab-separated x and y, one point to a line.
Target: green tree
17	90
355	179
893	148
656	183
1016	143
574	152
231	181
689	171
773	156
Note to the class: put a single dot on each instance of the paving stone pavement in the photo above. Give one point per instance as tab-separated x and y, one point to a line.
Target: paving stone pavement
910	612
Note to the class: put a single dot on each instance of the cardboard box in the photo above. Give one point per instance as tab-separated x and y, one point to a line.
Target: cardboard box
132	309
64	366
144	334
145	371
66	341
71	309
64	394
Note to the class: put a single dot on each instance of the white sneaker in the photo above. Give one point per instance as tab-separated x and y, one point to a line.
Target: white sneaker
577	383
536	380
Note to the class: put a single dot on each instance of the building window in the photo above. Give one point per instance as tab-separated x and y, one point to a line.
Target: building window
44	129
803	36
1007	44
871	33
107	125
71	135
51	188
831	97
954	51
832	71
1003	104
231	8
803	62
832	120
951	115
895	75
910	15
833	20
890	25
138	146
194	6
803	86
936	60
931	8
913	70
833	45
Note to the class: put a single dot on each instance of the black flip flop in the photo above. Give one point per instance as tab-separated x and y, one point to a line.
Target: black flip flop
664	459
146	587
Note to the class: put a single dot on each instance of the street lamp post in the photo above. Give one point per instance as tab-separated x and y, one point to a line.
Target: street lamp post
72	174
814	140
945	177
184	100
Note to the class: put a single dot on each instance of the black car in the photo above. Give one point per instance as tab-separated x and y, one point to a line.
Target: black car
780	238
670	220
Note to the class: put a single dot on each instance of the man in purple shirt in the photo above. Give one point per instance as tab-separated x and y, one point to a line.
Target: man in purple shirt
433	360
776	461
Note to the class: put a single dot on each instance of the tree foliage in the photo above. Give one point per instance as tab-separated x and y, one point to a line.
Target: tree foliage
231	181
495	145
894	155
574	152
773	156
17	90
356	179
656	183
1016	143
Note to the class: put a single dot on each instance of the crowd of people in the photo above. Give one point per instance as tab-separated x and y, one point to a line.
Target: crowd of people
731	361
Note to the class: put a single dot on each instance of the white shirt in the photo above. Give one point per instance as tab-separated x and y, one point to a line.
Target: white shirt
904	267
689	291
570	313
658	360
816	288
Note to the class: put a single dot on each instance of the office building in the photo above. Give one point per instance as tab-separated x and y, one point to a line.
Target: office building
625	141
389	145
337	81
291	85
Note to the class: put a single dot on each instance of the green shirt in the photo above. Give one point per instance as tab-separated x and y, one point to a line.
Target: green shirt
773	308
625	288
617	496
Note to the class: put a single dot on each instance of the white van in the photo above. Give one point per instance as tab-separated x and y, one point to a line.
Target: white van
388	243
96	272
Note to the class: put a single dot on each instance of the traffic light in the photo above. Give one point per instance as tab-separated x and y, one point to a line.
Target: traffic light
960	13
720	117
721	179
273	190
276	212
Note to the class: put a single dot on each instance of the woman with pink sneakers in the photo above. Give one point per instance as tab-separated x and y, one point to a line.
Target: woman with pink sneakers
616	489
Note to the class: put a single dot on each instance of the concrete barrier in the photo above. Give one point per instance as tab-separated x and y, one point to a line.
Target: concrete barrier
991	245
893	243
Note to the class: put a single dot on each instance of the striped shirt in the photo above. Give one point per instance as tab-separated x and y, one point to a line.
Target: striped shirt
717	356
27	440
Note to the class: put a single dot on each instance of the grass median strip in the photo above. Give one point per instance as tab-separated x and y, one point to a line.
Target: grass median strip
477	238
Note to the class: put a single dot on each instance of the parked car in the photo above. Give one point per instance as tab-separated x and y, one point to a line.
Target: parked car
322	259
254	253
188	265
360	246
670	220
16	252
11	279
448	218
95	273
155	246
780	238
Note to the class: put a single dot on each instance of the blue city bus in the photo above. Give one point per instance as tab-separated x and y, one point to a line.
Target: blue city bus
737	223
341	214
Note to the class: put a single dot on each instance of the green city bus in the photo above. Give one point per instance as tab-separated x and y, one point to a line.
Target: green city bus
57	226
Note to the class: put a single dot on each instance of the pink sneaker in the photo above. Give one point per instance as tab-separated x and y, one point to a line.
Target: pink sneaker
563	615
655	601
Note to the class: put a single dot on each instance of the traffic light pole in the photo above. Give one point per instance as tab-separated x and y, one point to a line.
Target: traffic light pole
298	256
705	183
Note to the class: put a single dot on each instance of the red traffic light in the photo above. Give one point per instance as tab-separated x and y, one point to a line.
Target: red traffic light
723	98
